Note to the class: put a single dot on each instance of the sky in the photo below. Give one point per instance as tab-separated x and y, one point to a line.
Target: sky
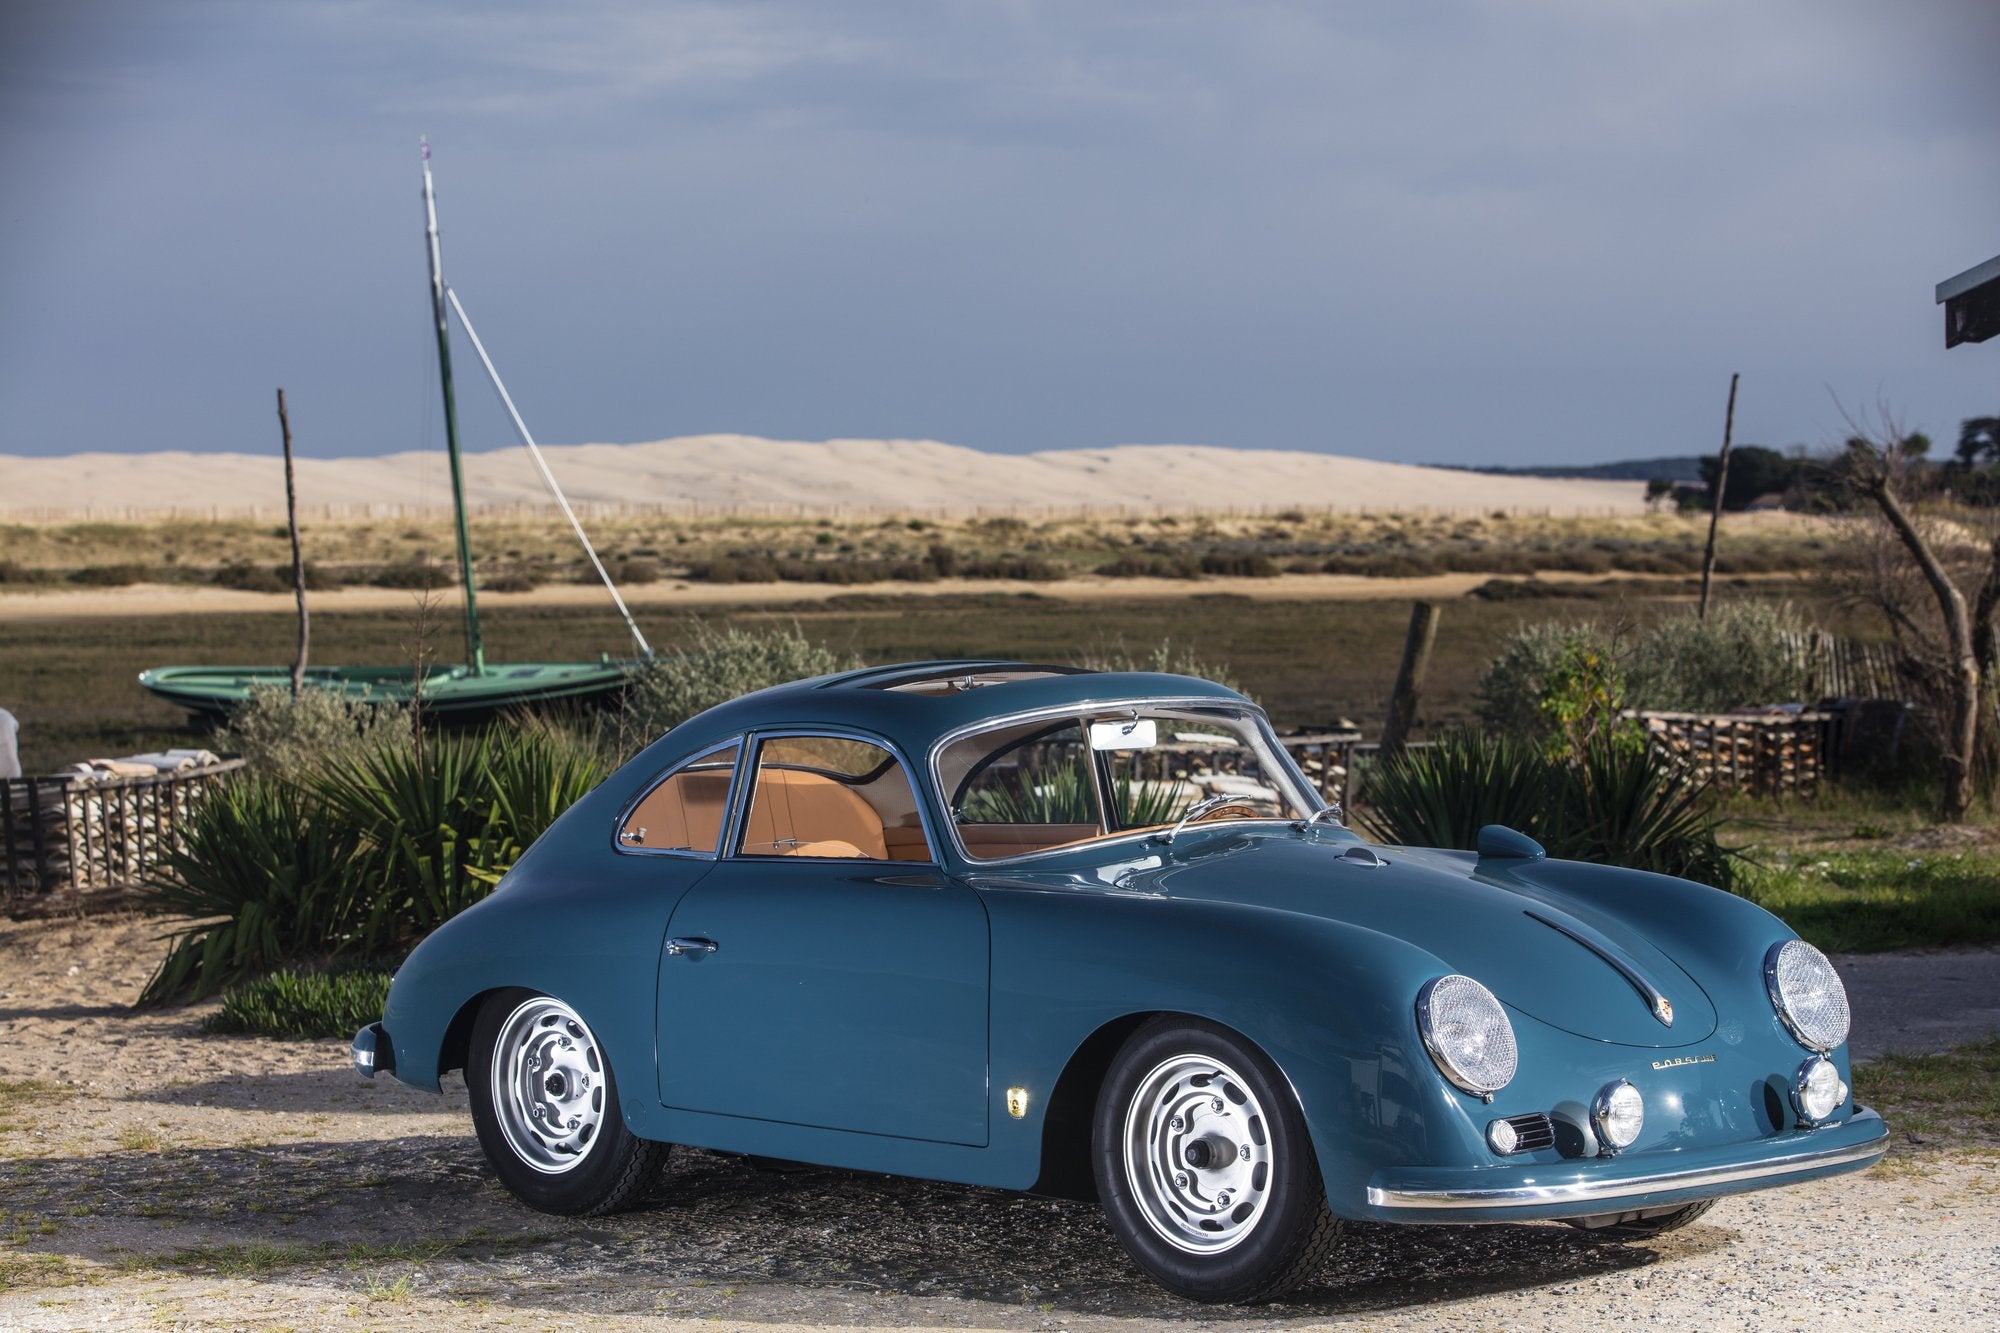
1488	232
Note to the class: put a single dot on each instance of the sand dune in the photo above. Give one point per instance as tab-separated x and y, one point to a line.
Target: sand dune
739	471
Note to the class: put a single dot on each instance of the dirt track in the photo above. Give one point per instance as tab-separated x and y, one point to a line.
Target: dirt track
170	1179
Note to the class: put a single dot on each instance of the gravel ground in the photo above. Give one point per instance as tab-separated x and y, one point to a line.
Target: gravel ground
264	1185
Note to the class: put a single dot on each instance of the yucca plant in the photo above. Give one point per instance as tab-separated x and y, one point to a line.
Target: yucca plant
1442	794
536	772
1632	806
1614	803
255	855
427	821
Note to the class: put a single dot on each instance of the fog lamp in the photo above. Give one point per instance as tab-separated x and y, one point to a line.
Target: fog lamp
1619	1114
1817	1091
1503	1137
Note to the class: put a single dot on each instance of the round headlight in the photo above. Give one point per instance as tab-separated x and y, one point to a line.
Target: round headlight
1619	1114
1806	992
1817	1090
1467	1034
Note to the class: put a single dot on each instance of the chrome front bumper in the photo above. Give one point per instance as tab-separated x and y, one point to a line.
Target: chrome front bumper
1611	1184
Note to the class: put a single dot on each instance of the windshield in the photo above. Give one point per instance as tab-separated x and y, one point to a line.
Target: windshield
1032	785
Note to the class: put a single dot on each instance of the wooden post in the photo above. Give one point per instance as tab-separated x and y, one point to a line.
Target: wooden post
1715	510
298	561
1410	676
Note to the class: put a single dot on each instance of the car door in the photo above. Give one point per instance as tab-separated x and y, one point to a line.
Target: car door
826	972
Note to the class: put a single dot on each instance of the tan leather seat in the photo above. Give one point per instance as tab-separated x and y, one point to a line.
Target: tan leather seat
684	811
793	811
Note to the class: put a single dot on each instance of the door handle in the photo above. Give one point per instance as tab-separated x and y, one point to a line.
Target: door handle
686	945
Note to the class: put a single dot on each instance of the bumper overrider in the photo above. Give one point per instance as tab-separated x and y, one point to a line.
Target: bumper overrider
373	1052
1624	1183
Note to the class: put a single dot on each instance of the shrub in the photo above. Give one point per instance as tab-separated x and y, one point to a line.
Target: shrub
719	665
289	738
253	578
255	854
1744	654
1613	804
110	576
1240	565
290	1004
1163	656
416	575
634	570
361	858
1516	682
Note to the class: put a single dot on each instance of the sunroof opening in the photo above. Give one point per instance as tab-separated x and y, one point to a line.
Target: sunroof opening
960	679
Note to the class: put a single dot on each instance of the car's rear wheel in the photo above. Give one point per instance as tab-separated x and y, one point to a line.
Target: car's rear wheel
1642	1225
545	1106
1204	1166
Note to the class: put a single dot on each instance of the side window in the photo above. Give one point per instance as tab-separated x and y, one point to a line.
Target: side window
684	813
824	796
1025	788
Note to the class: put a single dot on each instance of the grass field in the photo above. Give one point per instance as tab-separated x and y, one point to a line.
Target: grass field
72	682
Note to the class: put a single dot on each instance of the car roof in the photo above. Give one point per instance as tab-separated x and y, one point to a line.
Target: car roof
914	703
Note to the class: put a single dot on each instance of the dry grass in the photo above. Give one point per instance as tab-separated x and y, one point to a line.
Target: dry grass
520	550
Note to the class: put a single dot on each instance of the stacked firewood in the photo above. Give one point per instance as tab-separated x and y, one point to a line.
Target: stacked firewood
1764	754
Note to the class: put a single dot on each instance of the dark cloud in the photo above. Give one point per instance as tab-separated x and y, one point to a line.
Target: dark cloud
1481	231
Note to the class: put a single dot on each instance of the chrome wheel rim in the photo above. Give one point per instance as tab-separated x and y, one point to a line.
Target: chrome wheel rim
1198	1154
548	1085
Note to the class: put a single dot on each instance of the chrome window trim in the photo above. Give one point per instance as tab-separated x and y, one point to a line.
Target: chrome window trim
1312	804
728	805
740	794
1596	1191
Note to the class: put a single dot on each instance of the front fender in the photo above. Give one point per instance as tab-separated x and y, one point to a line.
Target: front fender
1331	1003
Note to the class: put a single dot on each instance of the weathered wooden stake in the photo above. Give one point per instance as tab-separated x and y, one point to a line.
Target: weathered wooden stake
298	561
1715	509
1410	676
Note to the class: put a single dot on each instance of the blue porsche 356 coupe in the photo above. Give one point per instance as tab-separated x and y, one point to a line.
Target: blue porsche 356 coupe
1094	933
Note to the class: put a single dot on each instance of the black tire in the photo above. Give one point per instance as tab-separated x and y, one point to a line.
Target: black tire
1190	1114
595	1168
1642	1225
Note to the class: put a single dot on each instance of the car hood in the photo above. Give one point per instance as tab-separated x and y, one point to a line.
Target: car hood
1570	963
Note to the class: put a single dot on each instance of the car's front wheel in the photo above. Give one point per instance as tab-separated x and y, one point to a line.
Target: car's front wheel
545	1106
1204	1166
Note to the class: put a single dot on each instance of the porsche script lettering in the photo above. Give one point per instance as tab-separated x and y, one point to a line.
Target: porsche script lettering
1704	1059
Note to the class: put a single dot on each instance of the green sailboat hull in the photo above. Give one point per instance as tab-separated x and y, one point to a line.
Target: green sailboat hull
451	694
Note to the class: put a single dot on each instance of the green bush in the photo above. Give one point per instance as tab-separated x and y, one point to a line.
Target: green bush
1164	656
1744	654
1614	804
361	857
1516	682
295	1005
257	854
719	665
288	738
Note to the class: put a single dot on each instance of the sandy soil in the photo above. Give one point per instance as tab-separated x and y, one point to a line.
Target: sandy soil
844	476
31	602
162	1178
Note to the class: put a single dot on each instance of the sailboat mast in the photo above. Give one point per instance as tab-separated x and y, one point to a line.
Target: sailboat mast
474	647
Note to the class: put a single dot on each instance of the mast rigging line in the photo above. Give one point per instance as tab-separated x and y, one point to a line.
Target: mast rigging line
548	477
